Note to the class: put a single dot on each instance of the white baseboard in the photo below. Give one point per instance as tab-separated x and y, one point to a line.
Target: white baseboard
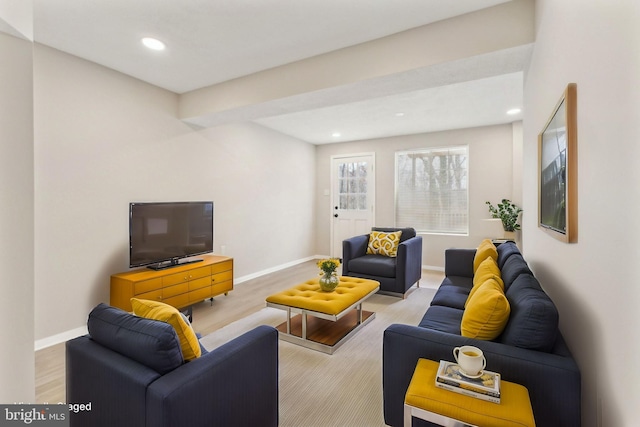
60	338
433	268
73	333
273	269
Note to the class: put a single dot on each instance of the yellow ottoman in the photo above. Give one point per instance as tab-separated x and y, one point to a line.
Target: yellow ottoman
426	401
333	316
308	295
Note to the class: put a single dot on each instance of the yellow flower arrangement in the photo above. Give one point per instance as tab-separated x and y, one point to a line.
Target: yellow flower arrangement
329	266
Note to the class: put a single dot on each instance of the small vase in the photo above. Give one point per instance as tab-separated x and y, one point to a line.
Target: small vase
328	282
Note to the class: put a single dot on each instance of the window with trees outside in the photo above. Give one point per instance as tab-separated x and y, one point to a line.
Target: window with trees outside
432	190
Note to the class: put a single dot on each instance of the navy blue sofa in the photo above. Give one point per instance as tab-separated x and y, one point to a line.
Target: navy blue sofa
131	371
396	275
530	351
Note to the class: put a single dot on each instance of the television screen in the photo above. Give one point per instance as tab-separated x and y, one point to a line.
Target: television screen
166	232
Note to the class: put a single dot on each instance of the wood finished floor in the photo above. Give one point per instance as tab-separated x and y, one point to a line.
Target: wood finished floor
246	298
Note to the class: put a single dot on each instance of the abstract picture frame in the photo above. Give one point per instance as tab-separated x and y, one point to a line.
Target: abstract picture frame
558	170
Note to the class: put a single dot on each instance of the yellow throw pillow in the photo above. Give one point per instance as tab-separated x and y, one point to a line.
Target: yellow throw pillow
487	312
485	249
165	313
486	269
381	243
475	288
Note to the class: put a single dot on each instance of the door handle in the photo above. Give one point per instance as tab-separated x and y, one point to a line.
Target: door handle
335	215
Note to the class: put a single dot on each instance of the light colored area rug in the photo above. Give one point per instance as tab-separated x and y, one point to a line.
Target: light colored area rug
343	389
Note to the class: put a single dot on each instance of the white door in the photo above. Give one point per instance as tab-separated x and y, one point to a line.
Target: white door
353	198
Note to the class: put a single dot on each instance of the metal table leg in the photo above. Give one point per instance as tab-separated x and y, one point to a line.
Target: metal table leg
304	325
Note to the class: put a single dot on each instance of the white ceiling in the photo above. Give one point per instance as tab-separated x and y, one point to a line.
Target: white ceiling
210	41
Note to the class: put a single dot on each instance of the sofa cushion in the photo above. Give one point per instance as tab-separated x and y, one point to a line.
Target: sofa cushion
407	232
534	318
149	342
450	296
513	267
374	265
381	243
165	313
443	319
484	250
462	282
486	312
505	250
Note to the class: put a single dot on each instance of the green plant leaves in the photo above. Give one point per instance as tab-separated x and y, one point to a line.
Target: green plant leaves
508	214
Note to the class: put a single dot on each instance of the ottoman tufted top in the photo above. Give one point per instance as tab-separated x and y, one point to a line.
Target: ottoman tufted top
308	295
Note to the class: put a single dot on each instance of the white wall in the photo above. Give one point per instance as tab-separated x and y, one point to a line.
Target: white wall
490	178
16	221
103	139
594	282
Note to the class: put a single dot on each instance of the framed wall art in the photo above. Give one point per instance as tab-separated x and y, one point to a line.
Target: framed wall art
557	170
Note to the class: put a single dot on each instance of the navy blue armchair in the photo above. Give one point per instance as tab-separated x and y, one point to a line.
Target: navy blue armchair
130	370
396	275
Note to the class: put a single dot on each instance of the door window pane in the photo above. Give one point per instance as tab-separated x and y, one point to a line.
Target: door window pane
352	185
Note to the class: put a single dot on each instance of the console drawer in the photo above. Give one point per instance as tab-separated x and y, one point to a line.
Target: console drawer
171	291
200	283
222	287
200	294
222	277
147	286
186	276
178	301
153	295
199	272
222	266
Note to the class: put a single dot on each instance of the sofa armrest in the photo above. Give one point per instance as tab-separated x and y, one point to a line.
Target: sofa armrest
409	262
234	385
553	381
353	247
459	262
115	385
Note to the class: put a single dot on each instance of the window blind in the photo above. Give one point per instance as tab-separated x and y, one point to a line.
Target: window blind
432	190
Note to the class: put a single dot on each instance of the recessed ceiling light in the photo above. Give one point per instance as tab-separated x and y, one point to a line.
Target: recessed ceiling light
399	114
513	111
152	43
336	134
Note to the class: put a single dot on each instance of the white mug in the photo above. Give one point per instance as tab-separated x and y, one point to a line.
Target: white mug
470	359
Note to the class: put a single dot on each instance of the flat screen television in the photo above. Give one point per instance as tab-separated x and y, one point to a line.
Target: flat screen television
162	234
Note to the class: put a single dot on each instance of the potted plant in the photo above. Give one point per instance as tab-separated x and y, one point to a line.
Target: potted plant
508	213
328	278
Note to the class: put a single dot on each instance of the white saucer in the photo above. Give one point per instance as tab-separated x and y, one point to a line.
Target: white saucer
470	376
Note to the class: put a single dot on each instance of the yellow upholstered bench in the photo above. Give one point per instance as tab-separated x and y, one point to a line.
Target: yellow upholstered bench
308	295
342	308
426	401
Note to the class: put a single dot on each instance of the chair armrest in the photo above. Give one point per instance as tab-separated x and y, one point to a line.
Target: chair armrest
553	381
409	262
234	385
459	262
353	247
